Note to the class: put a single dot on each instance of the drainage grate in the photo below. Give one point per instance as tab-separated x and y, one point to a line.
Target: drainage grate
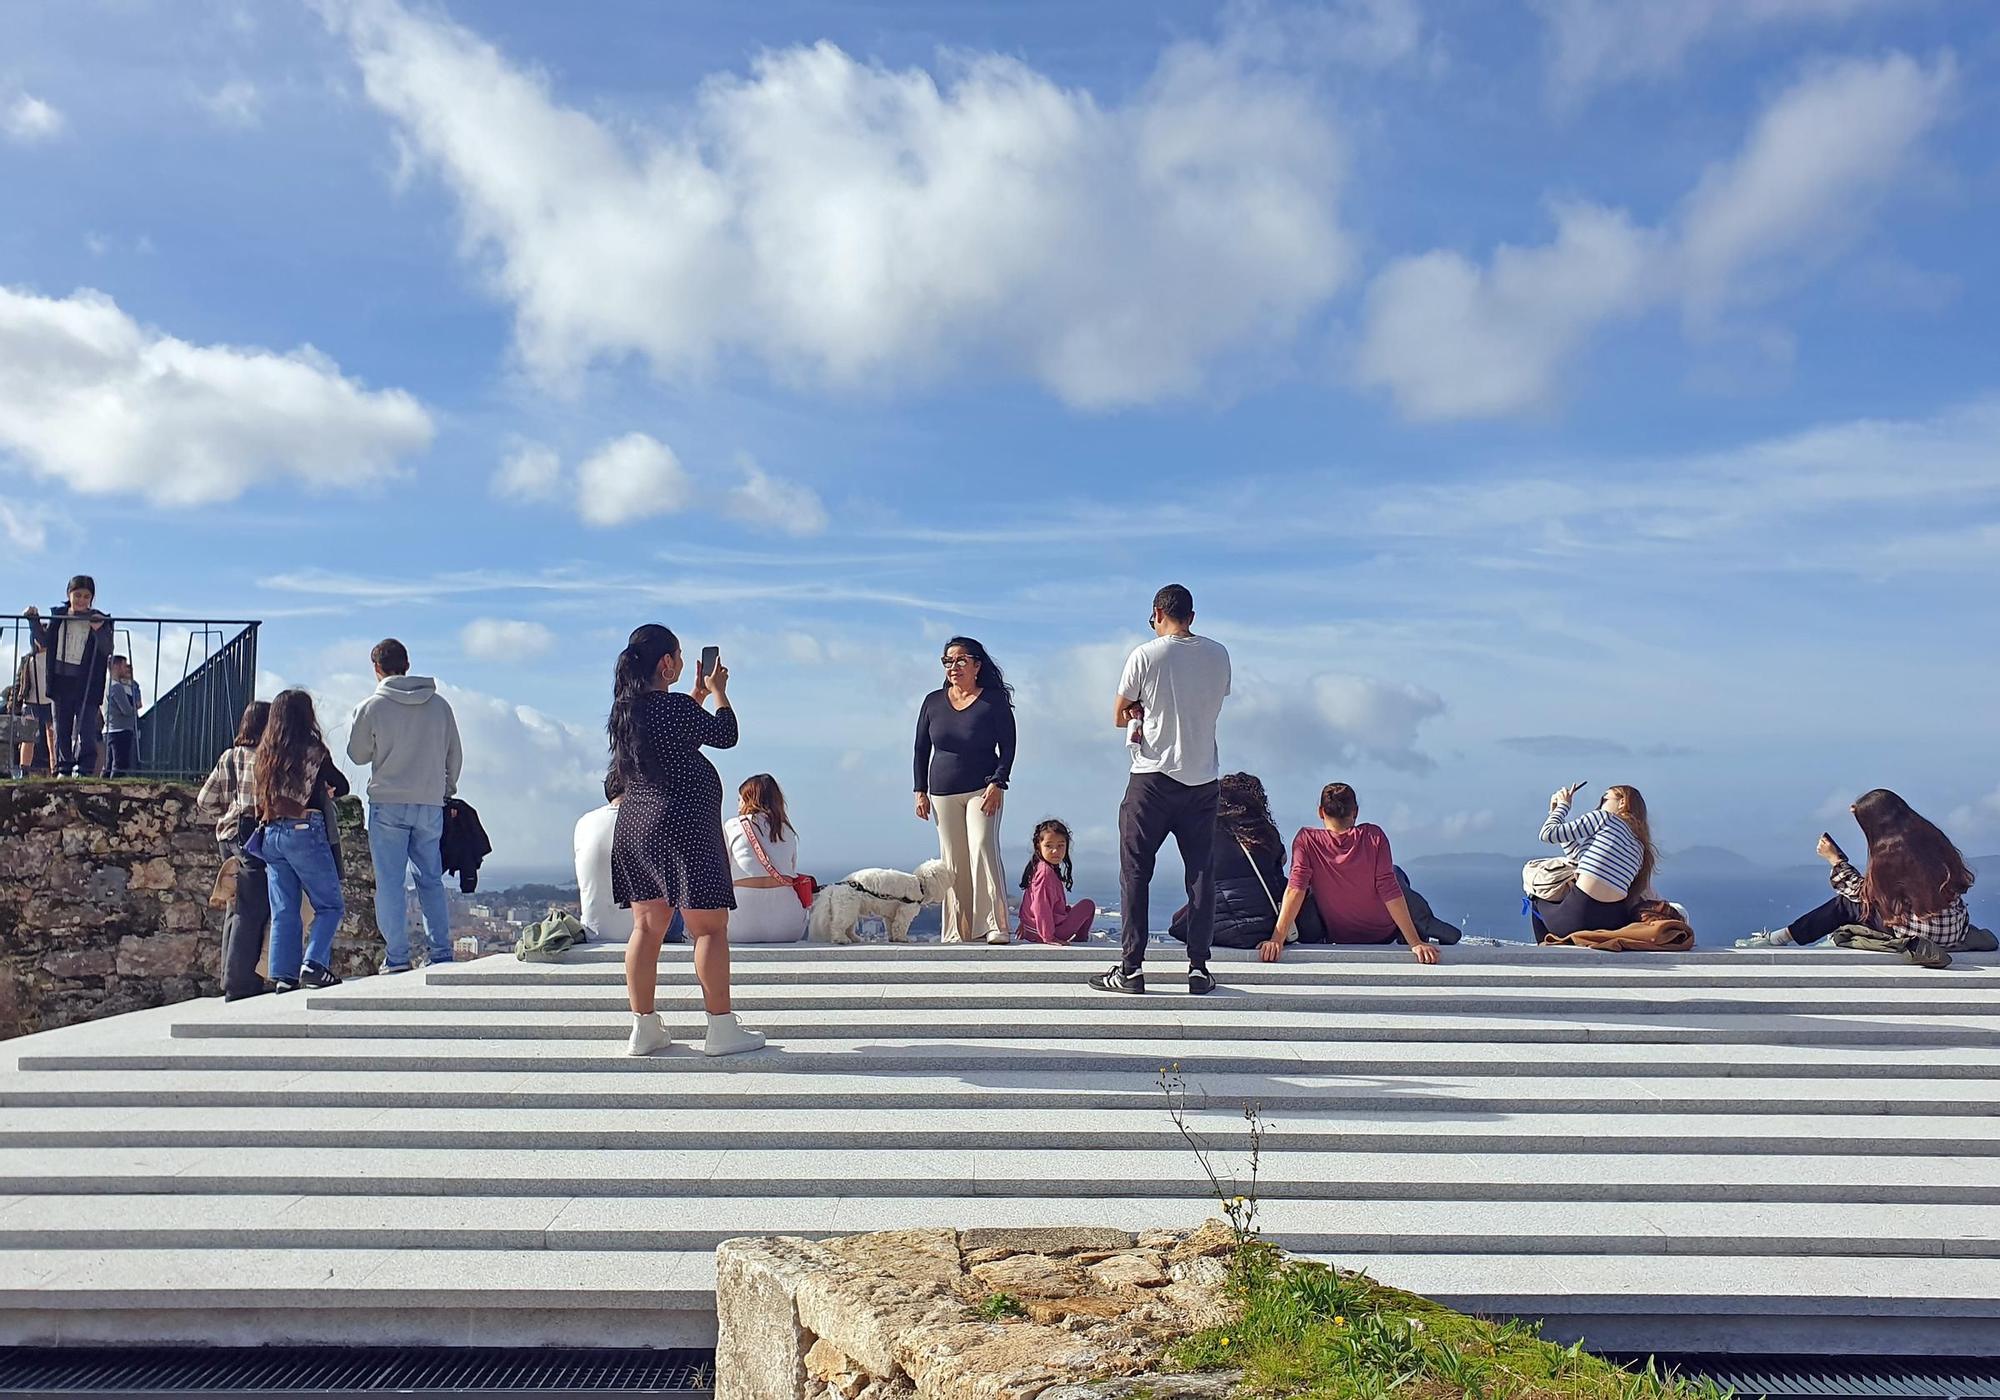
342	1371
1846	1377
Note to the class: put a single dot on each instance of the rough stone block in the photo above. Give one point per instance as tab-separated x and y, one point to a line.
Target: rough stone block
1047	1239
155	874
760	1345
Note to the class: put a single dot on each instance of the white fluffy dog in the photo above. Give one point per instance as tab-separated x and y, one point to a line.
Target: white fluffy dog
893	896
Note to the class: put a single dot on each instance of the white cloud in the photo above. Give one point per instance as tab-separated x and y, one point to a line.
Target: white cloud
531	472
771	503
855	225
90	397
633	478
1818	161
1453	340
501	639
1450	339
29	121
1594	43
1378	719
23	531
1976	820
237	103
1367	34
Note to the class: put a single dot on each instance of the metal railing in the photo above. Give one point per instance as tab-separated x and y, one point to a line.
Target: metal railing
195	677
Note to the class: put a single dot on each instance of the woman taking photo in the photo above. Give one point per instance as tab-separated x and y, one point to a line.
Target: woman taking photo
1613	850
764	854
1916	882
667	851
964	757
294	777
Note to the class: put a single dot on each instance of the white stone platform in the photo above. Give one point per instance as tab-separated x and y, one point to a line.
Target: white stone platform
1715	1151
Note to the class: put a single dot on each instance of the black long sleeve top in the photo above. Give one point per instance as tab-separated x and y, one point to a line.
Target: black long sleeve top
964	750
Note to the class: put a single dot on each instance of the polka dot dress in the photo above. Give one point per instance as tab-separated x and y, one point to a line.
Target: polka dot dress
668	843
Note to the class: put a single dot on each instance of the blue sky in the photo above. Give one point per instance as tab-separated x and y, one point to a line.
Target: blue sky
1570	389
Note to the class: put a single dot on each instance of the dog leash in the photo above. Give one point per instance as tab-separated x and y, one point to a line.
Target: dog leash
891	898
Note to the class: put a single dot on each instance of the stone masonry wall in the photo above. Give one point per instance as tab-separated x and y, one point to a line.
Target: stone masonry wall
104	901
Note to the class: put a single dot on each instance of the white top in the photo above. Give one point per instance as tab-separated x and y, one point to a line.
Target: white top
1182	682
784	854
601	915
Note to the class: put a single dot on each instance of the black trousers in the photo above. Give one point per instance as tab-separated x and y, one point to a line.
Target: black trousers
1818	923
1576	911
76	736
1155	808
124	753
246	926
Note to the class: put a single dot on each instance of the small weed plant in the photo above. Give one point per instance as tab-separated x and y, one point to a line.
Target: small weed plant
1001	1305
1237	1198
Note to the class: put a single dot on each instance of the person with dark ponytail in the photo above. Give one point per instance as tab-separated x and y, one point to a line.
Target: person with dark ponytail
668	852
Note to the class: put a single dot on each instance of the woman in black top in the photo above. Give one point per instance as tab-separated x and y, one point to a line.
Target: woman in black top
964	758
667	851
1248	865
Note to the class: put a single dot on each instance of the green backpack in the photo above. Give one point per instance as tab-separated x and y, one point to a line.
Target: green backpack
548	940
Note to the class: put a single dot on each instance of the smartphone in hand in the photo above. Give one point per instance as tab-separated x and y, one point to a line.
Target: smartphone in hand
709	656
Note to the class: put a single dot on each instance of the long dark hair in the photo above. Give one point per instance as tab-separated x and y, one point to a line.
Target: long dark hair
762	797
631	678
250	728
1913	868
990	675
1065	870
1243	809
292	751
1641	826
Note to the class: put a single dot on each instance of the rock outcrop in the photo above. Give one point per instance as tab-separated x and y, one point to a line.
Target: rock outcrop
104	891
1066	1312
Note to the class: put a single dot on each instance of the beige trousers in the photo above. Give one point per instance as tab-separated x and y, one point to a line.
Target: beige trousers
969	844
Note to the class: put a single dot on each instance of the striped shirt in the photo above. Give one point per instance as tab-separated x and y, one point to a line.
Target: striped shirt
1600	844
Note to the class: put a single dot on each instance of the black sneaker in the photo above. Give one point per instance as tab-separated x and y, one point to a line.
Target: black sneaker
313	975
1200	982
1119	980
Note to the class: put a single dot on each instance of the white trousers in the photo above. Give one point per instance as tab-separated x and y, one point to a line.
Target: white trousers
771	915
969	843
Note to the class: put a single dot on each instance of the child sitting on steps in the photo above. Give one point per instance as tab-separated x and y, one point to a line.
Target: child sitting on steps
1047	916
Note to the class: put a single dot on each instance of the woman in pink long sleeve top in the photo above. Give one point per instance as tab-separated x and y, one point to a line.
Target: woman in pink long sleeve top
1047	916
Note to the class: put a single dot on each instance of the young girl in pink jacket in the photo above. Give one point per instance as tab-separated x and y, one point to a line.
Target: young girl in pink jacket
1047	916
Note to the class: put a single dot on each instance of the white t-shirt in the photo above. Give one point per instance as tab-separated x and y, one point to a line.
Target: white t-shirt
601	915
1182	682
743	858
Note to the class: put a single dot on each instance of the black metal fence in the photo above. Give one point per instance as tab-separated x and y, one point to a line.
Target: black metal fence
195	677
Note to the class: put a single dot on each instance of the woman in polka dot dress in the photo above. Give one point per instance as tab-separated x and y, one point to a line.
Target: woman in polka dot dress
667	851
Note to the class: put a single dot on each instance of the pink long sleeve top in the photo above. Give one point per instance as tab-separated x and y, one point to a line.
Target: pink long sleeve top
1045	906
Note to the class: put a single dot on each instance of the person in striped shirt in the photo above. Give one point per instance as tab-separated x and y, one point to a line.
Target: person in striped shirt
1613	850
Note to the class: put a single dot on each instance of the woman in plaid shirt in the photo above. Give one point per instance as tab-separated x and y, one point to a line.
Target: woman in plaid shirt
229	798
1915	884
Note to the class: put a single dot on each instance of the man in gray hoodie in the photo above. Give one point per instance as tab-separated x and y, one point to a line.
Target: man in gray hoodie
408	736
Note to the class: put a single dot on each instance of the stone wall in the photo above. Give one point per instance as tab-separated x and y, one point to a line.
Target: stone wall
1066	1313
104	901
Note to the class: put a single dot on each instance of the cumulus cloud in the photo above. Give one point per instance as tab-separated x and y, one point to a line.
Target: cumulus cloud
1594	43
633	478
1448	338
530	472
22	530
772	503
855	225
502	639
29	121
90	397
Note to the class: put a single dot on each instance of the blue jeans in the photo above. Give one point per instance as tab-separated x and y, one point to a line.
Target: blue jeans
297	857
405	837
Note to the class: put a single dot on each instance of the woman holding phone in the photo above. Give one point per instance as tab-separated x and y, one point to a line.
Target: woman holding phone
1613	850
667	851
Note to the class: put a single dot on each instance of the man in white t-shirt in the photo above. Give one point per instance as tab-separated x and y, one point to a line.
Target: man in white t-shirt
606	920
1168	702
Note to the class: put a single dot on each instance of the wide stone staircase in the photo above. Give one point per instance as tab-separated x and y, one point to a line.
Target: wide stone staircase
1770	1152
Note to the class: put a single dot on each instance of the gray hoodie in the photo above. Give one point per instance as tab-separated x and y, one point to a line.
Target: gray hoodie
407	734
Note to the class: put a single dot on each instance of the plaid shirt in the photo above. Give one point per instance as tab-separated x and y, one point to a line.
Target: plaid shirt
1946	927
231	792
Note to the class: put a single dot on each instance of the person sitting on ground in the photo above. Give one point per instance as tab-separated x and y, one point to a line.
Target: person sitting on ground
121	719
78	639
764	856
1346	869
607	921
1248	866
1915	884
294	772
1047	916
229	799
1612	847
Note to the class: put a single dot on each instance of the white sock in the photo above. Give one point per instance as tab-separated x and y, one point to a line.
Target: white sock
1782	936
722	1018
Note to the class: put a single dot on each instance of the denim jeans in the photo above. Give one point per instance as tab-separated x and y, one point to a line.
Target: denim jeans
404	839
297	857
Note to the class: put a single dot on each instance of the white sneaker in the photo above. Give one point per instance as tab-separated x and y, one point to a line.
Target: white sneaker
1768	938
729	1036
998	935
648	1035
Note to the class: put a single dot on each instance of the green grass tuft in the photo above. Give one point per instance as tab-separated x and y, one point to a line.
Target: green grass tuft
998	1305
